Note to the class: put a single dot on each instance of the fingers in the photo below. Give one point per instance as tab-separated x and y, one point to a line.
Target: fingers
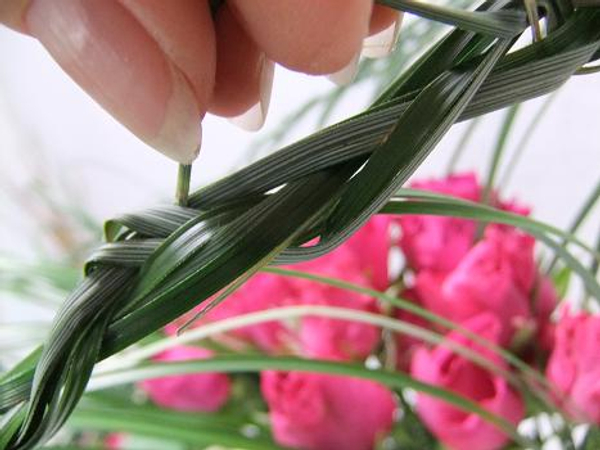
152	72
244	75
183	30
316	37
383	32
381	18
153	64
298	39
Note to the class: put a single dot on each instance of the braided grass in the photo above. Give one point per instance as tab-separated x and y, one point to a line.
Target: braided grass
160	263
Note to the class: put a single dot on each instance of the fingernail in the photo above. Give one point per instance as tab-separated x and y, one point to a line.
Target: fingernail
382	44
108	53
254	118
180	136
346	75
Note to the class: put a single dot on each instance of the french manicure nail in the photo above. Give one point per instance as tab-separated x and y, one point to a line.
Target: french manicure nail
254	118
346	75
382	44
180	136
108	53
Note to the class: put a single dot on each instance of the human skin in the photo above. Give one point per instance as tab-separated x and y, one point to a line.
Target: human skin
158	67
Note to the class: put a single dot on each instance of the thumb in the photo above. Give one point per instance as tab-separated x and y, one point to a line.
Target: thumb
119	54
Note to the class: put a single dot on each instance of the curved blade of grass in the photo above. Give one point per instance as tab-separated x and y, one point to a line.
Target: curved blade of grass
340	313
507	125
230	252
156	222
16	383
124	253
491	214
346	314
523	74
580	217
403	207
428	118
206	330
502	24
129	255
523	143
462	145
254	363
531	71
158	424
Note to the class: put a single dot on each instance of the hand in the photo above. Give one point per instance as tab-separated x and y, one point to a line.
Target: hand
159	65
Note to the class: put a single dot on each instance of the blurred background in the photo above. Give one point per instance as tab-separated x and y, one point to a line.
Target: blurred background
66	165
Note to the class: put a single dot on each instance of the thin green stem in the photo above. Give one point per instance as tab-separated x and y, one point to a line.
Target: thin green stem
579	219
257	363
215	328
436	204
184	174
295	312
534	19
192	430
416	310
588	70
507	125
527	135
595	262
462	145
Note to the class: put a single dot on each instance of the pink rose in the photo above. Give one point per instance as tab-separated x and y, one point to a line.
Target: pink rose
435	242
327	338
488	279
114	441
325	412
513	206
196	392
371	245
439	243
406	345
544	302
362	260
441	367
574	365
324	337
365	254
464	185
261	292
310	335
518	249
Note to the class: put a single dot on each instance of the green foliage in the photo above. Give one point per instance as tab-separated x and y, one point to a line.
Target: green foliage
252	363
162	262
592	439
189	429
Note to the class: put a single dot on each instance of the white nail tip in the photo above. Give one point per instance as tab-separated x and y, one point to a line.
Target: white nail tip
345	75
251	120
382	44
254	118
181	134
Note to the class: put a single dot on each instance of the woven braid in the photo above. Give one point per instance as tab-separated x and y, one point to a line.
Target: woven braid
120	299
